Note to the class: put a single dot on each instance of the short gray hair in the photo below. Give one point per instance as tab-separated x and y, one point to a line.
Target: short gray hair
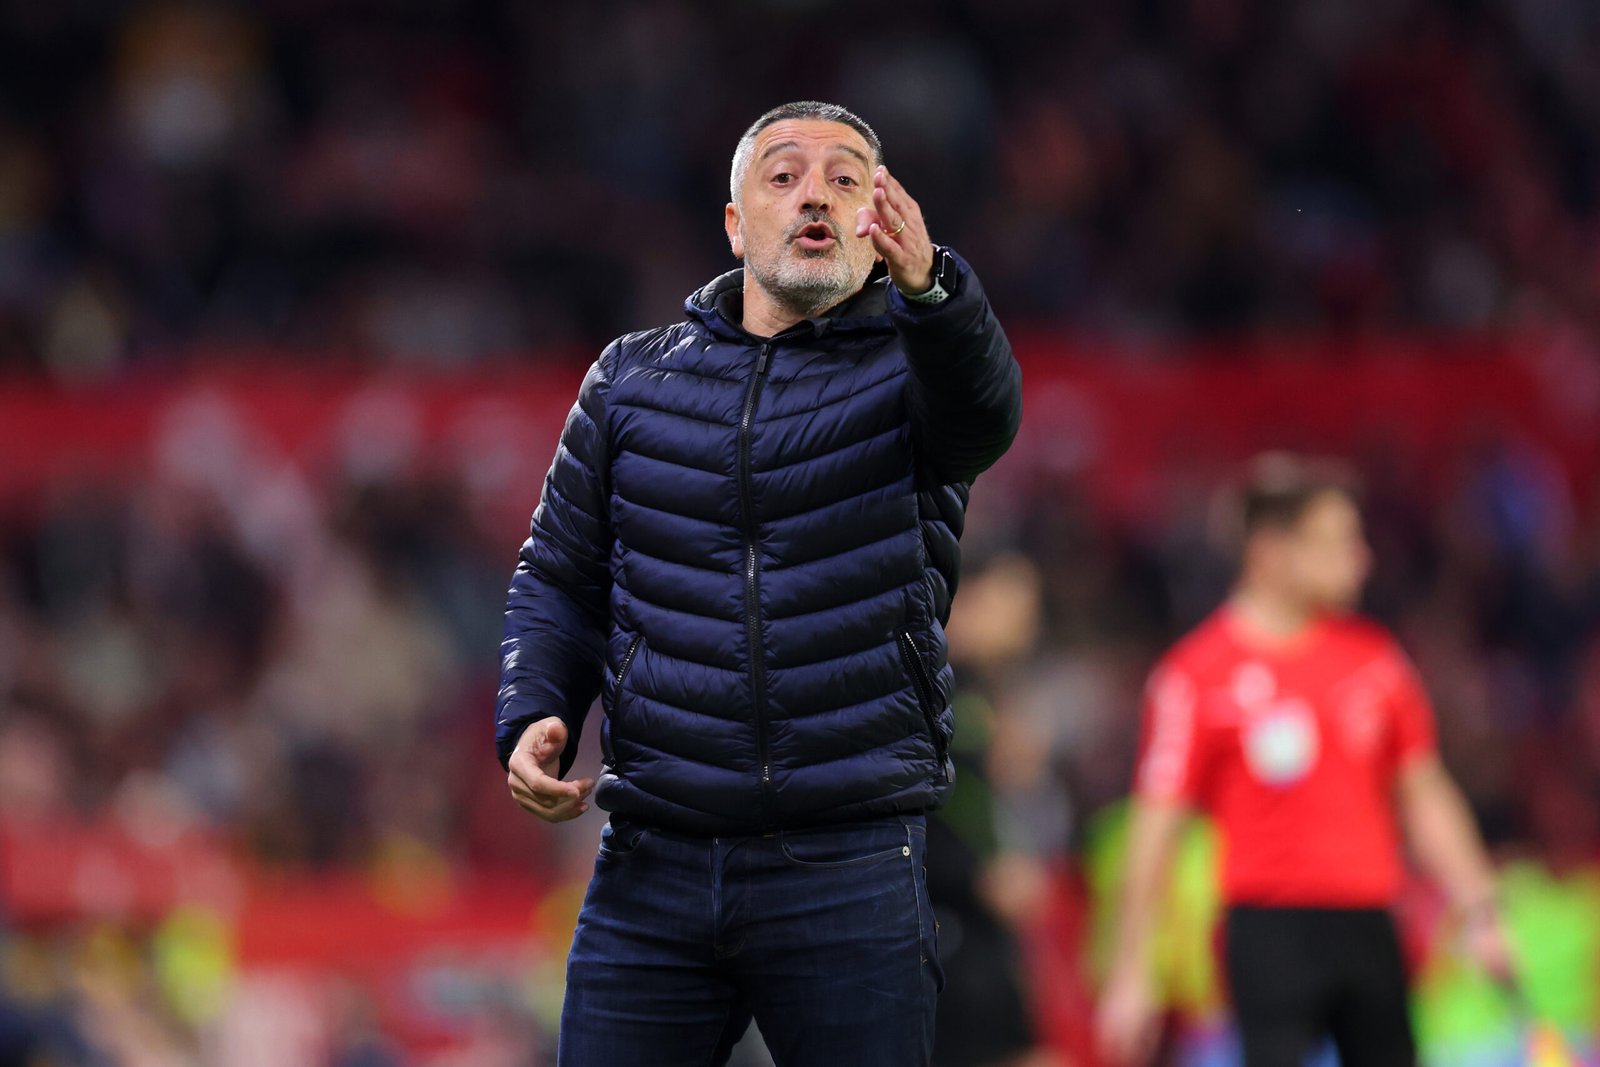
800	109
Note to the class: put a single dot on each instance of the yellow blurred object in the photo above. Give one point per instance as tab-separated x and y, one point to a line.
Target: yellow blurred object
555	921
1182	959
1547	1048
193	955
409	877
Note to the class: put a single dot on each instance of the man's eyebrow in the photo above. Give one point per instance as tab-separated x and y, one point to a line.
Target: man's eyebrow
783	146
776	148
862	156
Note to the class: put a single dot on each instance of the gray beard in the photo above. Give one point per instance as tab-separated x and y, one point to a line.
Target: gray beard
803	291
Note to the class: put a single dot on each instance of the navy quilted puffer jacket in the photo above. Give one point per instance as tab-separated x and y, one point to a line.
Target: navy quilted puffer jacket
747	547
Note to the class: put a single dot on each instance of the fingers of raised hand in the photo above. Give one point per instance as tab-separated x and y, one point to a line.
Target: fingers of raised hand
889	247
865	218
889	216
898	233
892	209
892	201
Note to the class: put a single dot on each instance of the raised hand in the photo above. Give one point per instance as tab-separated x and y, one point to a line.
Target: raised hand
899	234
535	774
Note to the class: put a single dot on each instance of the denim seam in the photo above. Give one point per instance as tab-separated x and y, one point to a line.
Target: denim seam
916	895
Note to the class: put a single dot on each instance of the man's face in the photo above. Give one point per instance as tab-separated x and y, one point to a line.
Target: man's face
794	224
1325	558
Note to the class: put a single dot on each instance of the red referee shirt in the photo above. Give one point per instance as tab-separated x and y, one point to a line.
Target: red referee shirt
1293	749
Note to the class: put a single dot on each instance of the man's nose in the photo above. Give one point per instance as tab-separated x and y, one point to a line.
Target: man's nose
815	192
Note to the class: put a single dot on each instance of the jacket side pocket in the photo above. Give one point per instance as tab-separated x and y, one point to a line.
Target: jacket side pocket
627	662
926	700
626	665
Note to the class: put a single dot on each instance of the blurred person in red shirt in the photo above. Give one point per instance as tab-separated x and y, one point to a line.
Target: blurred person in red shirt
1304	732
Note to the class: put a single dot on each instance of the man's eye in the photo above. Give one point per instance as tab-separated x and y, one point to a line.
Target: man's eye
783	179
845	179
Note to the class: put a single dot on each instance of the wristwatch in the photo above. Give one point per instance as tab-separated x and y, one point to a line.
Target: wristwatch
936	293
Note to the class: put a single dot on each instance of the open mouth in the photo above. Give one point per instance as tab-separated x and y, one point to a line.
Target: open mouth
814	237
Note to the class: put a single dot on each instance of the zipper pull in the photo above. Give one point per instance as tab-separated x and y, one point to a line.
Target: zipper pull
761	360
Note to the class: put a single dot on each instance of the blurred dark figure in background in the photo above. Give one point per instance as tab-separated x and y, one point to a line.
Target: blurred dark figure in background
747	545
1300	729
983	887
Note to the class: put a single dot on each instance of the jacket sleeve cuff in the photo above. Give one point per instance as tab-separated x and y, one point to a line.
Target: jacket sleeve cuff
949	271
508	731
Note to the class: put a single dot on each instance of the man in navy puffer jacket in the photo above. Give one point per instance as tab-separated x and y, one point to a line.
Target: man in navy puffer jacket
747	547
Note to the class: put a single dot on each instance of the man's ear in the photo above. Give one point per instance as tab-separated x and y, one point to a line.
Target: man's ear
730	225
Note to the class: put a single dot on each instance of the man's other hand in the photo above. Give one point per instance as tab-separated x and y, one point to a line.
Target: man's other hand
535	774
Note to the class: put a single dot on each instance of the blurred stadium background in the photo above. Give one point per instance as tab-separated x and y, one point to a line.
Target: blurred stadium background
294	296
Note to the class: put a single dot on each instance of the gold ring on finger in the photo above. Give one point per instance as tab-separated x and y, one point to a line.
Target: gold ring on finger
897	229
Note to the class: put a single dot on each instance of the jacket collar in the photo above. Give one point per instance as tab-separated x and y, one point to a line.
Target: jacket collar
719	307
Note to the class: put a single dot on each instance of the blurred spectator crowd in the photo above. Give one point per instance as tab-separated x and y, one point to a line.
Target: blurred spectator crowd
438	180
301	663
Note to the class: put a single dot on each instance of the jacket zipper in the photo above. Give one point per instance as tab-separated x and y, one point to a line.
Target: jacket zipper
627	660
925	696
622	672
752	578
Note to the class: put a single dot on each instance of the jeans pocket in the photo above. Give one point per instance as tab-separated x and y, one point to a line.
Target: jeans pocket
620	839
846	846
927	925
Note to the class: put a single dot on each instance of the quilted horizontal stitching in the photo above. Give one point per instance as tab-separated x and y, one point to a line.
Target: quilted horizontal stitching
900	476
553	489
677	414
832	451
684	756
853	394
640	505
827	659
647	365
792	567
860	753
671	462
657	653
634	550
657	605
673	803
819	712
648	699
693	372
852	602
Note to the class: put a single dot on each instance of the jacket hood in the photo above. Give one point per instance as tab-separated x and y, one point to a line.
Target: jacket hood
719	307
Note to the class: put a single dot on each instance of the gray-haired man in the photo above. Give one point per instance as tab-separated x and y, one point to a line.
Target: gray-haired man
747	545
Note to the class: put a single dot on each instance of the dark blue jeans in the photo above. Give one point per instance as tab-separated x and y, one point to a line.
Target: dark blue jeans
823	936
